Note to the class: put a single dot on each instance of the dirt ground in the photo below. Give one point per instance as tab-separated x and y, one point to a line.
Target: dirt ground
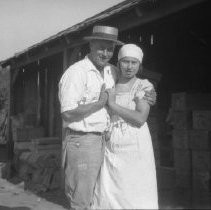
14	197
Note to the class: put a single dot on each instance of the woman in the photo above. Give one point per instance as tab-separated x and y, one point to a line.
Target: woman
128	176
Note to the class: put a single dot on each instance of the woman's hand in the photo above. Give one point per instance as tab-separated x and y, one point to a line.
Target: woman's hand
111	96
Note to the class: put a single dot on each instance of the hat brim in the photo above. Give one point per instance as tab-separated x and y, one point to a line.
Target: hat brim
89	38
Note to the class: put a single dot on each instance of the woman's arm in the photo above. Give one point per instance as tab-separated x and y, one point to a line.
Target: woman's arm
137	117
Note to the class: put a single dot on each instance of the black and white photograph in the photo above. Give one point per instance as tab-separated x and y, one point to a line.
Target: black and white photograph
105	104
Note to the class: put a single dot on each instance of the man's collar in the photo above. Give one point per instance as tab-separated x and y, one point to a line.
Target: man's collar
92	66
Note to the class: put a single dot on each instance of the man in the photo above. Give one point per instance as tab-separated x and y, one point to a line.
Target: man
85	119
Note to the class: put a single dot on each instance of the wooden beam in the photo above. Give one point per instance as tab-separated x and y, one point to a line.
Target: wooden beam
66	58
51	109
9	132
50	51
139	16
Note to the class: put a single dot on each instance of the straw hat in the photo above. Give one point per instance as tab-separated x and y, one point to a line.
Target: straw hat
104	33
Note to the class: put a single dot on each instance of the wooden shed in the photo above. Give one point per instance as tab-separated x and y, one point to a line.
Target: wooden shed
174	37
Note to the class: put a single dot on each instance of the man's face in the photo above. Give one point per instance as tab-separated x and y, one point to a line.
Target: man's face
101	52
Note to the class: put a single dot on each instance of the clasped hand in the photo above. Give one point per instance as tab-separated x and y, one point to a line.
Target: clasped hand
107	96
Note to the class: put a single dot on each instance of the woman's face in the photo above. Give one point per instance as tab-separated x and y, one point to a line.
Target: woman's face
129	67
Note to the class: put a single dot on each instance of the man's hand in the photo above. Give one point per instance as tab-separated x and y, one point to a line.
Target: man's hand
150	97
103	95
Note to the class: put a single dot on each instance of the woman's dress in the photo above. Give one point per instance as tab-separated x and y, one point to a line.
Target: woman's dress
128	176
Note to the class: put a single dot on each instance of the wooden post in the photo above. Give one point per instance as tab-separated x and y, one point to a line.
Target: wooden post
51	107
9	143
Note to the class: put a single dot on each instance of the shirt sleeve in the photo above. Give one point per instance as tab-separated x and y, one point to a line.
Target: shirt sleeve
142	87
71	89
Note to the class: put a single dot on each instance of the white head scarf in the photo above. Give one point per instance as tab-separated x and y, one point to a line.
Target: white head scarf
130	50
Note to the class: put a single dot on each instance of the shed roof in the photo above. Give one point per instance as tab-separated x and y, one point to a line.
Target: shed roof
77	27
108	13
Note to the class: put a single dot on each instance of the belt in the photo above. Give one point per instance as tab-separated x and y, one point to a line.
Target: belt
73	132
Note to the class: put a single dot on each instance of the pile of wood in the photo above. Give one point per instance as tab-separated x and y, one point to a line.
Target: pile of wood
190	116
37	161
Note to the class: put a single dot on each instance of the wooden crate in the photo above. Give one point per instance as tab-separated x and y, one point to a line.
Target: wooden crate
202	120
2	169
202	181
182	160
200	139
180	139
46	140
4	155
201	160
154	136
153	124
201	200
186	101
183	180
182	120
165	177
166	156
22	146
25	134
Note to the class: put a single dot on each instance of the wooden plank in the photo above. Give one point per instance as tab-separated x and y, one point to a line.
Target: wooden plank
52	51
181	120
201	200
3	166
165	177
153	124
3	153
48	148
46	140
202	120
66	58
9	134
201	160
200	140
183	180
201	181
182	160
155	143
25	134
51	109
180	139
166	156
23	146
189	101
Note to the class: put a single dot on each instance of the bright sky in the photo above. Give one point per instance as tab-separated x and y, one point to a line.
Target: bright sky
26	22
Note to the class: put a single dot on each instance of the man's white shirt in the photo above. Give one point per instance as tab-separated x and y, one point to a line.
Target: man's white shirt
81	84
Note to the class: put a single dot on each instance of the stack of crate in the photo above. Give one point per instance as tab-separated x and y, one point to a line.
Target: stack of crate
191	119
163	155
37	163
200	143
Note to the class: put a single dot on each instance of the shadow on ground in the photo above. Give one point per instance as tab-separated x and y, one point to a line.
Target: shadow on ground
57	196
14	208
